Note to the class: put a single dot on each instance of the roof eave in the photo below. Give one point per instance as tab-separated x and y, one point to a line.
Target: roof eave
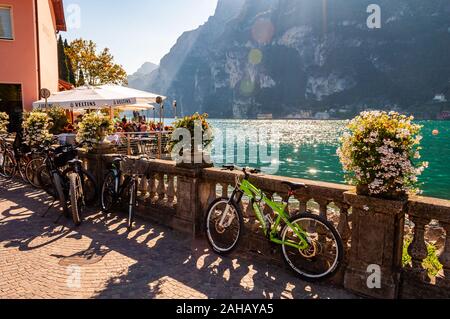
58	9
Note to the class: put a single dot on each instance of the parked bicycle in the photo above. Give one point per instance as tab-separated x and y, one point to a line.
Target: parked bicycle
121	187
310	245
14	158
63	177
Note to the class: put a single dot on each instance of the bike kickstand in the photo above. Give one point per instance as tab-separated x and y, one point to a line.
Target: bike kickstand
48	209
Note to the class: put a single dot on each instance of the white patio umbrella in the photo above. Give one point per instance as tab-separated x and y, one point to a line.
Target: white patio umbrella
98	97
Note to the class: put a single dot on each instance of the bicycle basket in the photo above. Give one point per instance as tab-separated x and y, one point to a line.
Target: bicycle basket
134	166
64	154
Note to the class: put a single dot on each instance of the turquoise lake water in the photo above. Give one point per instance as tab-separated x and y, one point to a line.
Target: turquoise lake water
308	149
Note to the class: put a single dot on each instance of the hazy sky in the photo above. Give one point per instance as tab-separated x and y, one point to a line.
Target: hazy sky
136	31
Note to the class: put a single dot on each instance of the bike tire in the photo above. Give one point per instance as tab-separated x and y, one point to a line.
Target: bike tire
132	204
339	248
32	172
56	179
45	182
93	189
110	177
75	207
22	165
9	167
211	242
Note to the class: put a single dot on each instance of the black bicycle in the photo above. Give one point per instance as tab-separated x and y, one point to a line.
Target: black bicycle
63	177
115	191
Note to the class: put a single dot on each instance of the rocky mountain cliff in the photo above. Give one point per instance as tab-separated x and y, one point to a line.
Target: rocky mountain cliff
306	56
140	79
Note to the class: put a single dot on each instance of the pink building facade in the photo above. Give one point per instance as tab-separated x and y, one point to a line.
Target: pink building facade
28	52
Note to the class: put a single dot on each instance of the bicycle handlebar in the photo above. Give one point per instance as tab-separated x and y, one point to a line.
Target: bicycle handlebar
245	170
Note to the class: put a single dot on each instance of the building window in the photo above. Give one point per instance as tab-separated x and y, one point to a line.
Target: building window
6	23
11	103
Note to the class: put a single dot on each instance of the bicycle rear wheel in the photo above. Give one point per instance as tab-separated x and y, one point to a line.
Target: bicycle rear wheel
224	225
45	181
32	172
323	255
58	184
108	194
22	165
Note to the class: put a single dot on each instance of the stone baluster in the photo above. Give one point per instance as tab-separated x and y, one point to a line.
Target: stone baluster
170	190
343	226
444	258
143	186
151	188
418	248
303	203
323	207
161	188
224	189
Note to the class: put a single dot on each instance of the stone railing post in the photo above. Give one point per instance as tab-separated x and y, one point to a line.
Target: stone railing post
94	161
375	256
187	203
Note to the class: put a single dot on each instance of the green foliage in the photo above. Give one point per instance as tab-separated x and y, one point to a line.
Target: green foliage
189	123
92	67
431	263
4	122
58	117
36	128
93	129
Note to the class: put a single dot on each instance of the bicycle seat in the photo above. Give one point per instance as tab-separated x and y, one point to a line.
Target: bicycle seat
75	161
117	160
294	186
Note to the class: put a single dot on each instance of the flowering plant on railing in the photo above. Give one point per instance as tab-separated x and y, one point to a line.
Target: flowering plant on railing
36	128
380	154
191	139
4	122
58	116
93	129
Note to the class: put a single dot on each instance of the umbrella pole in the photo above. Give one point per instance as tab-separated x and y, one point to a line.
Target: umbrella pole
110	113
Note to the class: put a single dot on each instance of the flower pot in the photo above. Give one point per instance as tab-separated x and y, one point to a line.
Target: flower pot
363	190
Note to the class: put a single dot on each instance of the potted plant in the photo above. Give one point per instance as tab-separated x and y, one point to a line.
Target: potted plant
59	119
93	129
36	128
191	141
4	122
380	154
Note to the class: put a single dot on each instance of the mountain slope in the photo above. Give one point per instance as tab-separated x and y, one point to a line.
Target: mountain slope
285	56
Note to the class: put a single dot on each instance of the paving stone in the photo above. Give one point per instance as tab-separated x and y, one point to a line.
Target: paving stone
40	259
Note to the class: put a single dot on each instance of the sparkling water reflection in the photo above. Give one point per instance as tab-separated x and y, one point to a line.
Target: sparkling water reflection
308	149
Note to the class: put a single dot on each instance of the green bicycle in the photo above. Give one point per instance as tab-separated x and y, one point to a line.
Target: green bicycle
311	246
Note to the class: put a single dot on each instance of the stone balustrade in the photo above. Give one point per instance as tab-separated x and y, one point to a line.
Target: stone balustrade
428	214
372	229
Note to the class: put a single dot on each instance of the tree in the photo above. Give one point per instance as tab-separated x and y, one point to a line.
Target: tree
71	74
94	68
62	61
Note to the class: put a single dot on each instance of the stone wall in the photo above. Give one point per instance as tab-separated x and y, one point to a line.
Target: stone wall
372	229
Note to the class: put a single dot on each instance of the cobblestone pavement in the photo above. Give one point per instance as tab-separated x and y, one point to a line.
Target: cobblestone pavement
100	259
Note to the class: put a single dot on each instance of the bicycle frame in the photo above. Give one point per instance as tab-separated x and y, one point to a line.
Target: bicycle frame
257	196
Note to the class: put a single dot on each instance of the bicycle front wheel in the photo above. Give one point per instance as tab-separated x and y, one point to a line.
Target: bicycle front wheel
224	225
323	252
76	197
